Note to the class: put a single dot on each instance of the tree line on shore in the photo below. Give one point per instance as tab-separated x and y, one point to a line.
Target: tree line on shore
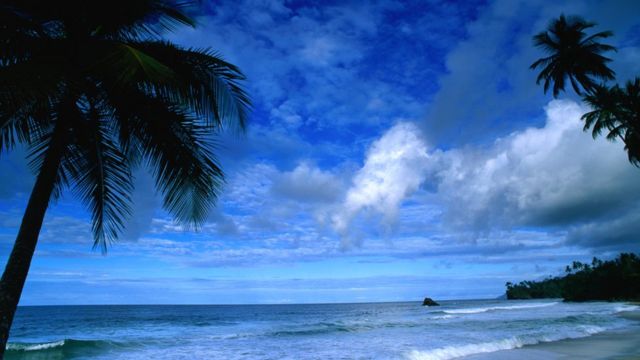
612	280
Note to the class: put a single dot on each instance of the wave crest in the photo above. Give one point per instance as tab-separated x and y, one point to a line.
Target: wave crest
65	345
494	308
450	352
34	346
626	307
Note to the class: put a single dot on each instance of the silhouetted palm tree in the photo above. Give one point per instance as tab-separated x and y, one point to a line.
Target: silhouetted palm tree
578	57
616	110
573	55
93	92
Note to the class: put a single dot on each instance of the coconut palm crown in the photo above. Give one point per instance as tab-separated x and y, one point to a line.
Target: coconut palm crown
616	110
573	56
576	56
92	90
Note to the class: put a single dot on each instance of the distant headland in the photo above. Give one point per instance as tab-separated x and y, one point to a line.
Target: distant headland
613	280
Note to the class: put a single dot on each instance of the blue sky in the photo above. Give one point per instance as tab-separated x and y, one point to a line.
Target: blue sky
396	150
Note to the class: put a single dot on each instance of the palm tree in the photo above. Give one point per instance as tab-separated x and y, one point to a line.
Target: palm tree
573	55
618	111
93	92
578	57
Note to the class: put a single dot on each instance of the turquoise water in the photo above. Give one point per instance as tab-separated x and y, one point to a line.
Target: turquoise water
322	331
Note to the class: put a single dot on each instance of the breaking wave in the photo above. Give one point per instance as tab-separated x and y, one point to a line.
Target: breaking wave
494	308
450	352
63	346
626	307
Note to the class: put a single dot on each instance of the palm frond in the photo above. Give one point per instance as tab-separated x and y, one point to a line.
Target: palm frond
141	19
196	78
123	65
98	80
617	132
605	114
544	41
110	19
41	142
27	94
179	150
600	35
574	55
632	145
542	62
16	25
100	175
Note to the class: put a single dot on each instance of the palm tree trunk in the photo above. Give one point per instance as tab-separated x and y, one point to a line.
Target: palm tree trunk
15	273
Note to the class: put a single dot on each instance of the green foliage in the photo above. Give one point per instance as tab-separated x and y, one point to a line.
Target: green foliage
574	55
101	75
577	57
548	288
616	110
613	280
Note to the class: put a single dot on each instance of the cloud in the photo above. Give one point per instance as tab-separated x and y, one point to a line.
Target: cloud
286	115
221	223
538	188
553	179
394	168
66	230
609	235
488	79
333	66
307	183
499	203
324	51
260	199
549	177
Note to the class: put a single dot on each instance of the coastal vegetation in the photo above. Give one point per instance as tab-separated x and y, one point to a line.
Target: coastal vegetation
612	280
94	92
577	58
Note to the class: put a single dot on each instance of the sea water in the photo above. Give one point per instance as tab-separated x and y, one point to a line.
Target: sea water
309	331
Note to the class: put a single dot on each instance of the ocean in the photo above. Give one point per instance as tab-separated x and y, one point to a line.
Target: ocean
307	331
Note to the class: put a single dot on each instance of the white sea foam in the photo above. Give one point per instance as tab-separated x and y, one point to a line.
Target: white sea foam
443	317
622	308
231	336
35	347
591	329
493	308
451	352
455	351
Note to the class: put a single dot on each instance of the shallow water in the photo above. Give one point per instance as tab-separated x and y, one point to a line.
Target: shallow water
310	331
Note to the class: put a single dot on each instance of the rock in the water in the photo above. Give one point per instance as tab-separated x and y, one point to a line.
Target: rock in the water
429	302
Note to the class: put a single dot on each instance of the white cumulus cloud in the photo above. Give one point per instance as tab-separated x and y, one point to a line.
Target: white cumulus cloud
394	168
555	175
554	178
307	183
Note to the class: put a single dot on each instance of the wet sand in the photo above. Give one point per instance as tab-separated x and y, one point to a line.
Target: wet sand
615	344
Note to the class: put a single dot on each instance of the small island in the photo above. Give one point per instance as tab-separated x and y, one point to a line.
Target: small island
613	280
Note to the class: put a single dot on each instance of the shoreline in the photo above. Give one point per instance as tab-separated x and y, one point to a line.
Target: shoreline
617	343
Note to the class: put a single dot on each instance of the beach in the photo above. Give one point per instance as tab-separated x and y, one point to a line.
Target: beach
614	344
